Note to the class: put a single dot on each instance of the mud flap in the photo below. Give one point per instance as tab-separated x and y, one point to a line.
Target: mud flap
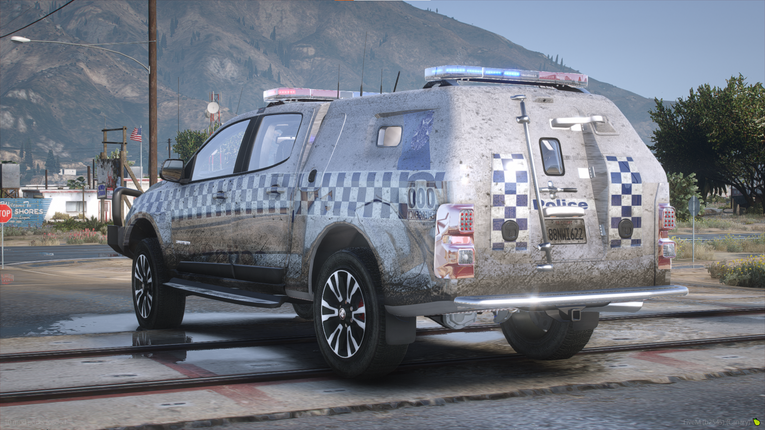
400	330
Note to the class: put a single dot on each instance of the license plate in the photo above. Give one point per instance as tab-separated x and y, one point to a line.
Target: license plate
565	231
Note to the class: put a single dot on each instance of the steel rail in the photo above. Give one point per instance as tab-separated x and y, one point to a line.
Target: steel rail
245	343
60	394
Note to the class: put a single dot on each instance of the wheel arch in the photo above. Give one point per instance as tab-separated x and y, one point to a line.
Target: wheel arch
333	239
141	229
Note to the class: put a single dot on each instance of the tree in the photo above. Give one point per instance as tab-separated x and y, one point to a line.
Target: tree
51	163
718	133
187	142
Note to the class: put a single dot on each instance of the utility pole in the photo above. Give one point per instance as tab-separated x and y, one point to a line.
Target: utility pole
153	92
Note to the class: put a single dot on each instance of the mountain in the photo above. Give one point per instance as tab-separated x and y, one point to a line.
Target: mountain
58	98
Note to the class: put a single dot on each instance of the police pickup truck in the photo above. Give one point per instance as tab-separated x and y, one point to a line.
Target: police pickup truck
510	192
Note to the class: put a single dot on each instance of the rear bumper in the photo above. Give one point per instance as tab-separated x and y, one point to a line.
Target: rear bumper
620	300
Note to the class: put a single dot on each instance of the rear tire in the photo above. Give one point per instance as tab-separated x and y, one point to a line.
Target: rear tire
558	342
156	306
350	318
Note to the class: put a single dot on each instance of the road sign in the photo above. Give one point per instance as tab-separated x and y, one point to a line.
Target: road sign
5	214
694	206
101	194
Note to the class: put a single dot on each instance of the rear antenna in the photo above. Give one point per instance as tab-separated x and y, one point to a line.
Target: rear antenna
338	82
381	81
361	90
396	84
240	100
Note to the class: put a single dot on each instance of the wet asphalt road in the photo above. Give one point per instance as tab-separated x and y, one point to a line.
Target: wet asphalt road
25	254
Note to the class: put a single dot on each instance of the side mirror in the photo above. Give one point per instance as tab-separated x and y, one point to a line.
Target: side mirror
172	170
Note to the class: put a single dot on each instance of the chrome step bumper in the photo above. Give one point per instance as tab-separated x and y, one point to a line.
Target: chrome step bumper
594	298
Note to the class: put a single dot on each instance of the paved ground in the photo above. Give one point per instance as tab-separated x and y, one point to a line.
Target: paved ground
87	304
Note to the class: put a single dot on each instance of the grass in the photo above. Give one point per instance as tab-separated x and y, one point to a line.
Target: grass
704	251
741	223
732	244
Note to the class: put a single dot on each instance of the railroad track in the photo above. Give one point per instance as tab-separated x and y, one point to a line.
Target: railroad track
59	394
247	343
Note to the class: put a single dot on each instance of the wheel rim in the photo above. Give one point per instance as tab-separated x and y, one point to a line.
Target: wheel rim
343	314
143	283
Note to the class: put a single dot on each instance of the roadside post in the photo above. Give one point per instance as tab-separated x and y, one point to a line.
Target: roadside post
5	215
693	208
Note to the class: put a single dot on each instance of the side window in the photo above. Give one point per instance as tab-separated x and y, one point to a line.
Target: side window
389	136
552	160
218	156
274	141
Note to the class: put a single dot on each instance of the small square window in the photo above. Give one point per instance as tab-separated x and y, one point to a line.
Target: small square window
552	159
389	136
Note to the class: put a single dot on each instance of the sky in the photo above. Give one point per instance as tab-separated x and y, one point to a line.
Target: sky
656	49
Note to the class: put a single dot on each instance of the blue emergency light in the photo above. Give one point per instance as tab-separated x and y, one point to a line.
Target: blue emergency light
504	75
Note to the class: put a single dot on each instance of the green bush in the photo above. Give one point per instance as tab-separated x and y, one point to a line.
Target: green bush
748	272
681	189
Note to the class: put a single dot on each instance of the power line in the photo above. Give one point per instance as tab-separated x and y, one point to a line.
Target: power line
35	22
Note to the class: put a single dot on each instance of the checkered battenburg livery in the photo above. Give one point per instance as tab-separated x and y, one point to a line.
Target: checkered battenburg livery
368	194
510	200
626	190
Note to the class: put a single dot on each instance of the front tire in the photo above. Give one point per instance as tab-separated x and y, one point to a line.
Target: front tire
156	306
558	340
349	317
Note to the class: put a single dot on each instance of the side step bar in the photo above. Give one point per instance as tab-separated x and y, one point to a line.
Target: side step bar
231	295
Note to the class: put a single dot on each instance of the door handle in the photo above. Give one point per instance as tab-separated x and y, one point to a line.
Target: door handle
275	190
220	195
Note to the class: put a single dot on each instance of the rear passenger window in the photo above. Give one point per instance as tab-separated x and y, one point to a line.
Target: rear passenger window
389	136
552	160
218	156
274	141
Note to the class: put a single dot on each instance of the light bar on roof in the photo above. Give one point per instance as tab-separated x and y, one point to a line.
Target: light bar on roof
285	94
504	75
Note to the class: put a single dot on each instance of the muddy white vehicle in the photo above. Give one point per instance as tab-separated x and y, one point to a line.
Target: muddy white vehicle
511	192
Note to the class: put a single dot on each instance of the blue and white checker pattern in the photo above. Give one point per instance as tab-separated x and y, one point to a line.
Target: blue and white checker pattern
510	200
626	192
367	194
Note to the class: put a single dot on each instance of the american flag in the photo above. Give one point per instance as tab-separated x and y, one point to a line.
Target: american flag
136	135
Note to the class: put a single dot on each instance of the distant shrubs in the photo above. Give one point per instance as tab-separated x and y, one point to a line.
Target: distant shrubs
85	236
48	239
747	272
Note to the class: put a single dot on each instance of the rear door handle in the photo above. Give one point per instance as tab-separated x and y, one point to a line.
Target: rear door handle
275	190
220	195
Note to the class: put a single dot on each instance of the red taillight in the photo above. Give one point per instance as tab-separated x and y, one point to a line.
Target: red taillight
454	253
666	217
466	221
667	248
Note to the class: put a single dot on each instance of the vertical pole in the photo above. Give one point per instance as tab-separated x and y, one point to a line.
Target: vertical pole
2	244
88	177
142	155
693	245
152	92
